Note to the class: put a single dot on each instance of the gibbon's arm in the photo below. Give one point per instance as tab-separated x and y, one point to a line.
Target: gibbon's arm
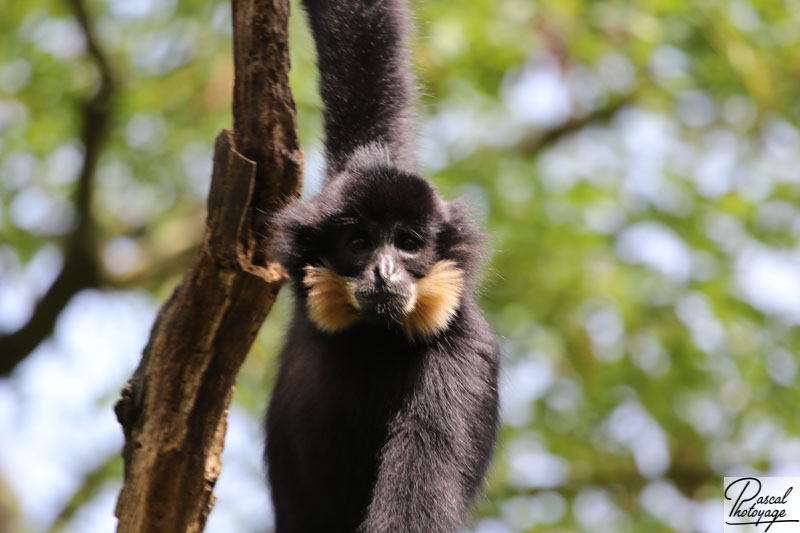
438	448
365	78
418	489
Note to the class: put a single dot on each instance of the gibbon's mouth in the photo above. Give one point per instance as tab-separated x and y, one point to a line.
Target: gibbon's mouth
383	304
336	303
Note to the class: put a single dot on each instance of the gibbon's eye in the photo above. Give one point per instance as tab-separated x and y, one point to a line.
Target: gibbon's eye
408	243
358	242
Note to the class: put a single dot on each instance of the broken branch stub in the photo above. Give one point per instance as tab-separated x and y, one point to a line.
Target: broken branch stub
173	410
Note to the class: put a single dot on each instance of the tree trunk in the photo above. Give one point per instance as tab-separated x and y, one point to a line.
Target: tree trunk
173	410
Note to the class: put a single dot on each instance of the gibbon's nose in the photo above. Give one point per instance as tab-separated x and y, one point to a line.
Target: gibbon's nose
386	271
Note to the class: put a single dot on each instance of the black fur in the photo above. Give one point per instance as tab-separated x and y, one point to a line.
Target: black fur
369	430
365	79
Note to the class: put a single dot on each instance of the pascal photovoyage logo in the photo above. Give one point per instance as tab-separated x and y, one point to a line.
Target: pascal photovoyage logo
762	504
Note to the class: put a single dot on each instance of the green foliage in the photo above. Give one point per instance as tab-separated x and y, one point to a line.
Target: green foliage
642	275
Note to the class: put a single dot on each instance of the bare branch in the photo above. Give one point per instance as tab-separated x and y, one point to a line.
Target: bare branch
173	410
80	268
541	140
260	117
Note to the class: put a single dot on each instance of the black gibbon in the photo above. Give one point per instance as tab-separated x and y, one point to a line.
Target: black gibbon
384	413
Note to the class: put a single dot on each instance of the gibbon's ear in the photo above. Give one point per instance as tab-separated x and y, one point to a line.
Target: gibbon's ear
461	241
298	236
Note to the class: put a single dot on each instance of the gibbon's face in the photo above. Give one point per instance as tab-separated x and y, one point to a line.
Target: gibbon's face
377	261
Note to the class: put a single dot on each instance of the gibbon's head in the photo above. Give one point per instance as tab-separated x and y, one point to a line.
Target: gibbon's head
379	246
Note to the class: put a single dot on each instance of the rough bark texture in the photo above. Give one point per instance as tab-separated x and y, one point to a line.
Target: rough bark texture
173	410
263	113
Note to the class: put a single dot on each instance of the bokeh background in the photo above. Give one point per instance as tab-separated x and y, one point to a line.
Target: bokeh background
635	162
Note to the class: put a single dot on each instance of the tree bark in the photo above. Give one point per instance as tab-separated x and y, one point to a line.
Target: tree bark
173	410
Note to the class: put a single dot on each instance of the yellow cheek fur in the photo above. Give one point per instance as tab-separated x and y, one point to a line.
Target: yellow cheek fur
438	294
332	305
330	299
